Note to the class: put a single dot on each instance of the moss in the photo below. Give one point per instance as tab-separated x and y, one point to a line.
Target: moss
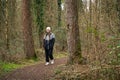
7	67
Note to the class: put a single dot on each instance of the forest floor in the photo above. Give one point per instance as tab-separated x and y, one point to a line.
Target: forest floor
35	72
59	71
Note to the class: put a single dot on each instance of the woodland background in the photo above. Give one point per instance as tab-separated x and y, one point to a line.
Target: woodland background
23	23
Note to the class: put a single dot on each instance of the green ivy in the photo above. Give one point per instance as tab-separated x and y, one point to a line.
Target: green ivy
39	13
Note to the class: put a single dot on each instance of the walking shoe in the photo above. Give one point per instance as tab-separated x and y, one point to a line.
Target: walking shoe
52	61
47	63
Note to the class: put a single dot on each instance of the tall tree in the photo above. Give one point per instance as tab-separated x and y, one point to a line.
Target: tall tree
39	6
2	23
10	18
50	14
6	24
118	9
27	29
73	38
118	30
59	12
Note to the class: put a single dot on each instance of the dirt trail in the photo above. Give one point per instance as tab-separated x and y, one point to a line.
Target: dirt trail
35	72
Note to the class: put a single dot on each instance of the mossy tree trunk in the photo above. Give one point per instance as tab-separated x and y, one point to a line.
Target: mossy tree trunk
27	29
59	13
118	10
39	6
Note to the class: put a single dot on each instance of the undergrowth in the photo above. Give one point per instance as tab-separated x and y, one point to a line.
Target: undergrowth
85	73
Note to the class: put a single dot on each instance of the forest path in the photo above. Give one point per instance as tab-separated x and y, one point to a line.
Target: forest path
35	72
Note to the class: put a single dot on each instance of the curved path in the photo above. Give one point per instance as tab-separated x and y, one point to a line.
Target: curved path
35	72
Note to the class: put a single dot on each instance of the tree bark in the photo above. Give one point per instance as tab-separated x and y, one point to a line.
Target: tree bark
118	10
27	29
59	13
3	24
73	38
39	7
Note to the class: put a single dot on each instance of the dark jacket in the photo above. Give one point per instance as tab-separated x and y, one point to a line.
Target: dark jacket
48	41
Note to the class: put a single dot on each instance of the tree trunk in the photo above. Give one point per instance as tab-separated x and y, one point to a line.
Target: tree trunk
2	24
118	9
39	6
10	22
59	13
27	29
73	38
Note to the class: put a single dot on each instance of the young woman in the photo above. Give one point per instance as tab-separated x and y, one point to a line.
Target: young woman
48	44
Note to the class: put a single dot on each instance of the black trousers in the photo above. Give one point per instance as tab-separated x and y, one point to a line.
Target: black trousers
49	54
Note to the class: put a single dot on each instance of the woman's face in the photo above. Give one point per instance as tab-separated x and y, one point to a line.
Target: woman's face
47	30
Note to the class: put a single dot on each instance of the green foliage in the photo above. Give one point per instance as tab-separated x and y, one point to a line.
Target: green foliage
7	67
81	9
102	37
57	71
114	54
59	13
107	73
61	42
93	30
60	54
39	6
